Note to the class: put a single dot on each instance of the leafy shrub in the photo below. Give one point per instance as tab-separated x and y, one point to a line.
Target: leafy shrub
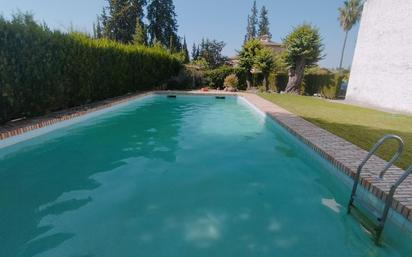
43	70
215	78
231	81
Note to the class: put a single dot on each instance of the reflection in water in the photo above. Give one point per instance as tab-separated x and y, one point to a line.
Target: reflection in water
332	204
174	177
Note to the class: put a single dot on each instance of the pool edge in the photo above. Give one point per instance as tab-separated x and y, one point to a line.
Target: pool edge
339	152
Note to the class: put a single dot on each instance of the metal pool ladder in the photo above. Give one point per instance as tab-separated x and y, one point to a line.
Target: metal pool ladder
377	229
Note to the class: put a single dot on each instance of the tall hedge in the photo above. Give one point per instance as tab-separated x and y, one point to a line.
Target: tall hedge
215	78
43	70
322	82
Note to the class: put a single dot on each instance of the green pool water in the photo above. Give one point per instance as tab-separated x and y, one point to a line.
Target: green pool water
187	177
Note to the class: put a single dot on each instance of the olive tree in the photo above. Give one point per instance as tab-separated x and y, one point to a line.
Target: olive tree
303	48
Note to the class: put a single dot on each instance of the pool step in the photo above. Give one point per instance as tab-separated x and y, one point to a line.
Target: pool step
352	209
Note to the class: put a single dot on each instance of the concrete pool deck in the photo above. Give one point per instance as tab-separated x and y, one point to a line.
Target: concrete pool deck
339	152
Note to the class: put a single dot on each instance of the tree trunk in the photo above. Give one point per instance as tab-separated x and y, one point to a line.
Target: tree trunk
248	80
343	51
266	82
296	77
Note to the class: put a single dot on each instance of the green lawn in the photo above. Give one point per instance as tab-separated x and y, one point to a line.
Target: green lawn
361	126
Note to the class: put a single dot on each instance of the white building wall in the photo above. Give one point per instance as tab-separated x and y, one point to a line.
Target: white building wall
381	73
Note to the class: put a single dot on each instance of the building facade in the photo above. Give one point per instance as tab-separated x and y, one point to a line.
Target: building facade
381	73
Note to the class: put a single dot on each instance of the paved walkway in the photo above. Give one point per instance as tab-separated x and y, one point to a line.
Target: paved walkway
339	152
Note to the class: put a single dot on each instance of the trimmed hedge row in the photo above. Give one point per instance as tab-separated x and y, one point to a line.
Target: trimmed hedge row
325	84
42	70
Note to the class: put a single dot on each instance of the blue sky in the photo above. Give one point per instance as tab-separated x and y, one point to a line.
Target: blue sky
216	19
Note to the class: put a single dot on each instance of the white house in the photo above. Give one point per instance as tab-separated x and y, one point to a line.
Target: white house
381	73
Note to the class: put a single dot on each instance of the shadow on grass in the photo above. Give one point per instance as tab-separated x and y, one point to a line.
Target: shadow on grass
365	137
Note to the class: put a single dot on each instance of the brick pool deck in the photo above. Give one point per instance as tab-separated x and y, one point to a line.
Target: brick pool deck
338	151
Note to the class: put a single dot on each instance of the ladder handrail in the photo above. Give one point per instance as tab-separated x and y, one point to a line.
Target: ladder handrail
370	154
389	200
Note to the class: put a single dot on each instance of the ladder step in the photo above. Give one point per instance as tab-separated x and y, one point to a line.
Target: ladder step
366	221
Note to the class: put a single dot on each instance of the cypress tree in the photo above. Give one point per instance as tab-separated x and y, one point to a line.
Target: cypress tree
185	51
140	35
195	53
252	23
264	23
97	29
104	20
120	23
163	24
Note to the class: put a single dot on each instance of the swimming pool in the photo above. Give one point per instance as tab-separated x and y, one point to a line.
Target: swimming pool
185	176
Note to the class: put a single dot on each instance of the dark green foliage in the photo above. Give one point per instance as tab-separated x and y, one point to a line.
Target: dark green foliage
120	23
188	78
140	34
211	52
195	52
264	23
252	23
43	71
215	78
281	81
185	52
163	24
324	83
97	29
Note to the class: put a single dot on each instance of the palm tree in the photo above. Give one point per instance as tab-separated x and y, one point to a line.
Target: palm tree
349	15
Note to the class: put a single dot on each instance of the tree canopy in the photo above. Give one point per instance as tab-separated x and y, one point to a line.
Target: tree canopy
303	48
252	23
304	43
123	21
163	24
265	63
185	51
350	13
140	34
247	58
211	52
120	22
